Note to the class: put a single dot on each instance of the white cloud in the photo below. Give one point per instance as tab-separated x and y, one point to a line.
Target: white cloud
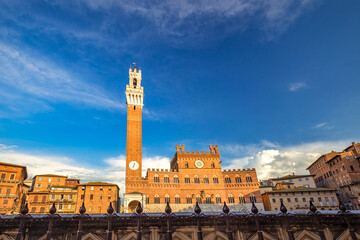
276	160
35	82
293	87
7	148
323	125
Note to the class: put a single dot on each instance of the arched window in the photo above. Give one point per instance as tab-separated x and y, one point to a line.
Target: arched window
176	179
227	179
241	198
196	179
166	179
186	165
198	199
187	179
231	198
212	165
167	198
206	179
252	198
157	199
188	199
215	179
35	198
177	198
42	209
134	82
248	178
147	200
238	179
208	199
44	199
218	199
156	178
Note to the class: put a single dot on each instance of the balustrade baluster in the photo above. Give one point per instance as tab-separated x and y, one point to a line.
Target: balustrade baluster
82	212
23	217
51	219
289	230
256	216
198	216
110	212
314	212
168	221
139	211
346	219
227	216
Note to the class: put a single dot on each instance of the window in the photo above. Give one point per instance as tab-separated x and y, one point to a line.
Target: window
3	175
188	199
38	185
300	179
33	209
196	179
208	199
60	207
166	179
156	178
304	199
101	188
42	209
91	196
167	198
35	198
147	200
307	179
347	157
157	199
218	199
215	179
186	165
252	198
110	189
83	188
352	168
296	200
237	179
198	199
12	176
43	199
176	179
290	180
206	179
248	179
241	198
227	179
100	196
92	188
90	209
58	179
288	200
69	206
5	201
231	198
312	199
177	198
109	196
134	82
273	200
187	179
71	197
82	197
53	196
40	178
212	165
50	180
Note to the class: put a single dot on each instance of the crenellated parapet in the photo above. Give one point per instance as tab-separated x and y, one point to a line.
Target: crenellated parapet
161	170
239	170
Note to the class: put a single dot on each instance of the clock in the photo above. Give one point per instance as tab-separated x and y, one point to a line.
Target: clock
133	165
199	164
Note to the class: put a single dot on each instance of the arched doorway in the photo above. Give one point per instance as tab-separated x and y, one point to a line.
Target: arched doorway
132	206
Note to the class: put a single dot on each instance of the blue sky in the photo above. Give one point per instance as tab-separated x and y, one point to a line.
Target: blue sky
273	83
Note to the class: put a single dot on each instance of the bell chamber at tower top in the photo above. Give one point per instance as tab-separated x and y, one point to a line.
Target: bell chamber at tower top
134	91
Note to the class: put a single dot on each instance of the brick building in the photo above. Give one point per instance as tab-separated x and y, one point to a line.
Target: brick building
12	188
97	195
340	170
297	180
192	176
48	189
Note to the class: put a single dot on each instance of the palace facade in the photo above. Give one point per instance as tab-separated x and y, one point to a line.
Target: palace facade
192	176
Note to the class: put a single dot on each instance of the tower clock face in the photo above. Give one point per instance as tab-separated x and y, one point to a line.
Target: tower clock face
199	164
133	165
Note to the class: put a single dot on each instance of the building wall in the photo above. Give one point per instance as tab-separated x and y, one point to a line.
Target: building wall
299	200
12	189
98	197
44	182
307	181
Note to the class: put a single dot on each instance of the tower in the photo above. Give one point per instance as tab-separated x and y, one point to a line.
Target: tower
134	100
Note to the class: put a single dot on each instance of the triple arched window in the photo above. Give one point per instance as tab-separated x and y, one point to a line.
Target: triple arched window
206	179
196	179
215	179
188	199
176	179
157	199
208	199
241	198
167	198
187	179
248	179
218	199
198	199
231	198
156	178
238	179
227	179
177	198
166	179
252	198
186	165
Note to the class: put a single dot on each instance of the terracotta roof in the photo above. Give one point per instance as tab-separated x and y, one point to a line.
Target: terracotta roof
337	155
98	184
40	192
301	189
291	176
61	186
10	164
285	183
265	186
50	175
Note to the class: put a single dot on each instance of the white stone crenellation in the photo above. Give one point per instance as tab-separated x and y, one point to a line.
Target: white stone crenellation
134	91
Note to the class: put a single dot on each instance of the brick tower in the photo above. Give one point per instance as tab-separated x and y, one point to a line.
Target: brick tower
134	100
